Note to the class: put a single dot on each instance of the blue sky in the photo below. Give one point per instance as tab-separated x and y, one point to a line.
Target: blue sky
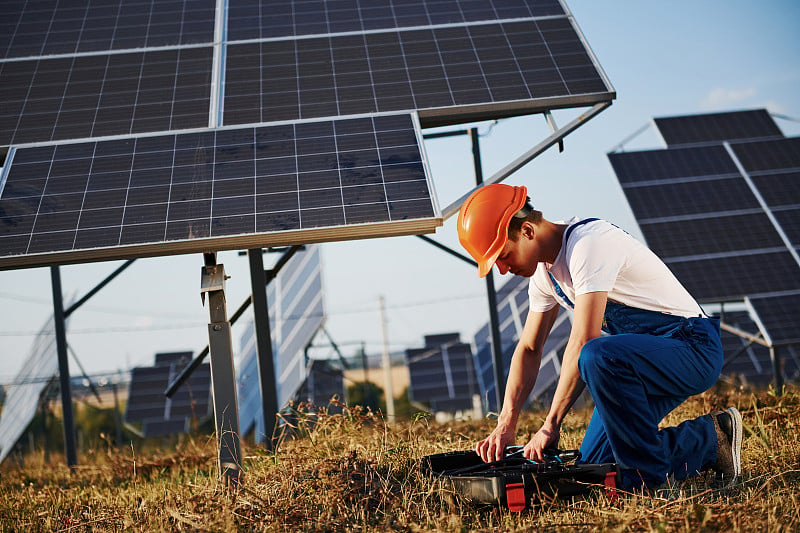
663	58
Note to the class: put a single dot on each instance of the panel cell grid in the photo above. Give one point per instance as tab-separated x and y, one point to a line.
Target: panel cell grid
520	64
780	317
102	95
252	19
211	185
30	29
717	127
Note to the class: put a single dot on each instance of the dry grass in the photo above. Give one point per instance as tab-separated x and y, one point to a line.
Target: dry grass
352	472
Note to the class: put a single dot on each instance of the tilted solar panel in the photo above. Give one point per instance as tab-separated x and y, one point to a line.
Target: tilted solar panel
448	74
224	189
97	95
718	127
251	19
724	215
80	26
779	316
441	374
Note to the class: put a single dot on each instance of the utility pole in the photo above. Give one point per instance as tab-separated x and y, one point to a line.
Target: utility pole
387	364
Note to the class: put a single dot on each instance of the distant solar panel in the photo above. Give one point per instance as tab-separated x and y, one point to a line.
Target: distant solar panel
159	415
237	188
442	374
297	312
718	127
512	302
324	382
24	394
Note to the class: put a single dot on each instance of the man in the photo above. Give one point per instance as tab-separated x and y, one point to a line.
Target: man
660	349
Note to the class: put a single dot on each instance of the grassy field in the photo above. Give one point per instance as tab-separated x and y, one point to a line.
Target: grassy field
353	472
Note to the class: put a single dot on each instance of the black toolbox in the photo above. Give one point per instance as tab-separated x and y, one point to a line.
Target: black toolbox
518	483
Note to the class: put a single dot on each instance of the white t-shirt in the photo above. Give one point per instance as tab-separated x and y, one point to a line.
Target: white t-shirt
601	257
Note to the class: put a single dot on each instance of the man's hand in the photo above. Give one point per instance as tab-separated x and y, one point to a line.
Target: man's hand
492	447
547	437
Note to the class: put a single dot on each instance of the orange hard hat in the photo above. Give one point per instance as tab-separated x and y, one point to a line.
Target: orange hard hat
483	221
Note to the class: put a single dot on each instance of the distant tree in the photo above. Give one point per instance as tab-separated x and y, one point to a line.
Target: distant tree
367	394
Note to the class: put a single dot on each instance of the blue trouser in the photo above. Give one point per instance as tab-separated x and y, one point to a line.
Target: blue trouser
649	365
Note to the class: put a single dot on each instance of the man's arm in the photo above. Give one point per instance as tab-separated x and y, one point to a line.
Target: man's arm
586	325
522	376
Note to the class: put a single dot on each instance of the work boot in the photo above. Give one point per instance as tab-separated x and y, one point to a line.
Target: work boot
728	425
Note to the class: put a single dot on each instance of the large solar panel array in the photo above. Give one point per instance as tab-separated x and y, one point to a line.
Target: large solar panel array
441	374
159	415
723	214
25	393
154	128
296	313
512	310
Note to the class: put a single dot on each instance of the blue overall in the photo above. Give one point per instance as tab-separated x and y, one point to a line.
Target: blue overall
649	364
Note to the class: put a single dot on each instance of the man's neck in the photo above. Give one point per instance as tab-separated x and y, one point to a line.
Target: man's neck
551	237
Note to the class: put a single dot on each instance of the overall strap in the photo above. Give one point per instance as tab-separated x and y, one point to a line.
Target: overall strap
556	286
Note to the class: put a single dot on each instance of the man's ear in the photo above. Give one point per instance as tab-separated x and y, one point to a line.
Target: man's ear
527	230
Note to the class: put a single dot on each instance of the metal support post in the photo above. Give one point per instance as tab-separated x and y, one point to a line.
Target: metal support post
494	322
63	368
266	365
223	377
777	368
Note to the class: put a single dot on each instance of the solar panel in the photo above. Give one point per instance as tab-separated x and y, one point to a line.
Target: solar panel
53	28
717	127
159	415
779	316
24	393
512	303
724	215
323	383
137	110
227	189
745	361
96	95
284	18
296	312
442	374
449	74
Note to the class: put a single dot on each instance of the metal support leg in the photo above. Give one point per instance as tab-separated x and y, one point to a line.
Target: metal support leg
223	377
777	368
63	368
494	322
266	366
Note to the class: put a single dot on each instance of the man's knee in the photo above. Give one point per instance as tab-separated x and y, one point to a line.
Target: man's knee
595	358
